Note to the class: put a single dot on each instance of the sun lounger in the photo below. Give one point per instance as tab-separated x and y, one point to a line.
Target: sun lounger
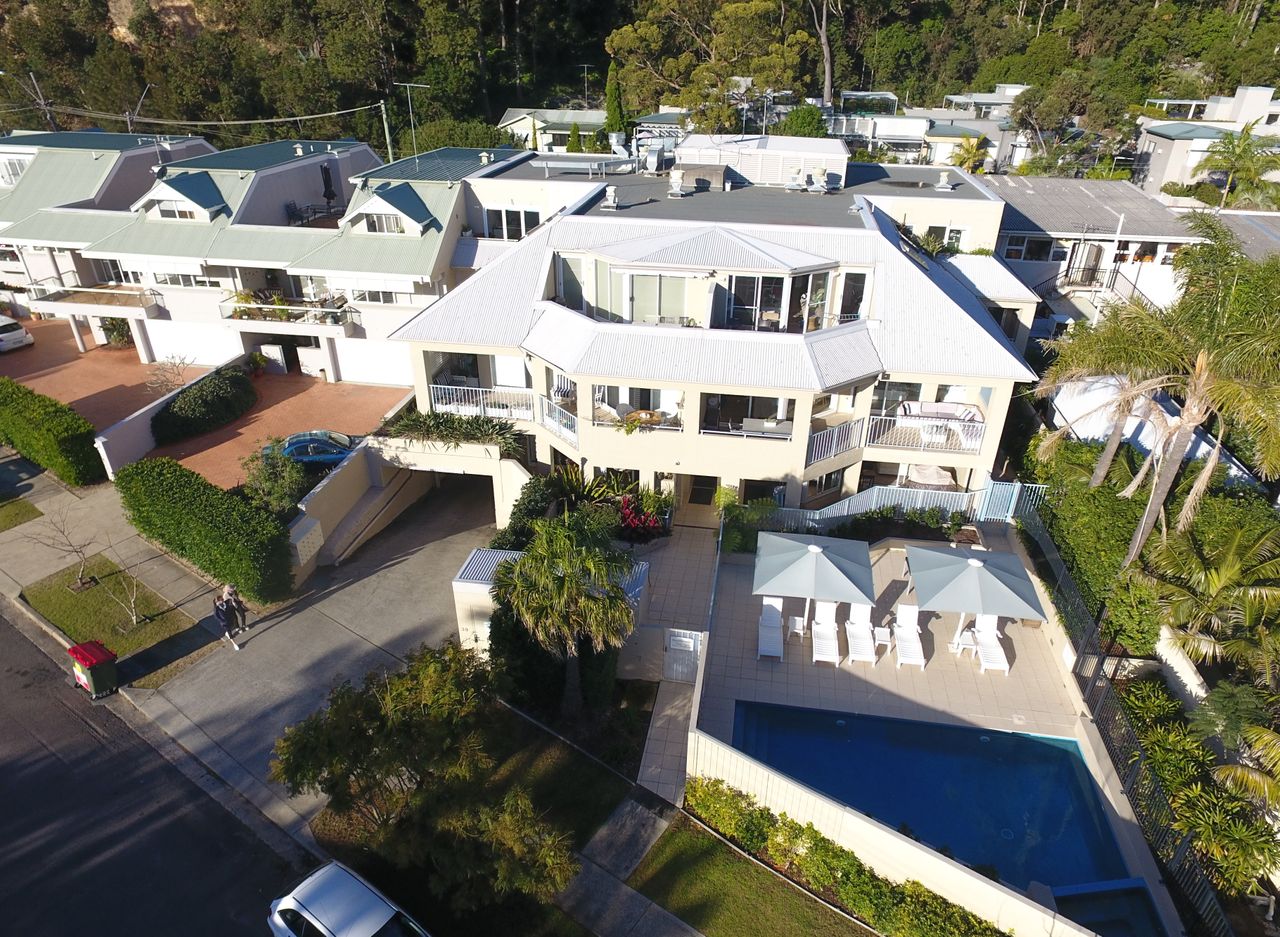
826	643
906	636
774	602
991	654
769	635
825	612
862	645
861	614
989	624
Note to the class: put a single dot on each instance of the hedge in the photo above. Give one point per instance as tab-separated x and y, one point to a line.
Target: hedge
49	433
822	866
219	532
534	501
215	400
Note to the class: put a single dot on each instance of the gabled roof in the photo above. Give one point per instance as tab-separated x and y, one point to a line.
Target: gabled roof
444	164
711	247
1064	207
988	278
397	198
71	228
586	117
56	177
198	188
1185	130
264	155
85	140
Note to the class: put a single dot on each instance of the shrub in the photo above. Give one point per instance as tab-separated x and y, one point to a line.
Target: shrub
117	332
813	860
453	430
220	533
215	400
273	481
535	500
49	433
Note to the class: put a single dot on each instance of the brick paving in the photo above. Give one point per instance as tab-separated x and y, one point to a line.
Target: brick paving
103	384
287	403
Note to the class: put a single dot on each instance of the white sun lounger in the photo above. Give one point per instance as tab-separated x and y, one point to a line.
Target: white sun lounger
906	636
989	624
862	645
826	643
769	634
991	654
860	614
825	612
774	602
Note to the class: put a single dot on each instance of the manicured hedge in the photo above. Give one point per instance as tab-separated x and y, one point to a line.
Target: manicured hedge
215	400
49	433
808	857
219	532
534	501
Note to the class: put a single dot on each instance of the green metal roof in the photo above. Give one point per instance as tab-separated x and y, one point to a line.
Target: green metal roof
197	188
953	131
55	177
1185	131
84	140
67	228
668	118
263	155
445	164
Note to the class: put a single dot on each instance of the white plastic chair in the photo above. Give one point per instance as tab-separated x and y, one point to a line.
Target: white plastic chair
825	612
987	624
862	645
769	635
826	643
991	654
906	636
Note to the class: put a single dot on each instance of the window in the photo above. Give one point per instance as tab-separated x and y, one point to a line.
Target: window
11	170
808	302
298	925
8	254
1014	246
754	303
384	224
372	296
10	327
110	271
832	481
399	926
822	403
184	279
1007	319
1038	249
855	287
887	395
657	299
953	239
510	224
169	208
570	288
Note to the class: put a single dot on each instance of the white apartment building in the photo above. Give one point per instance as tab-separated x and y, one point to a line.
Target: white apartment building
788	344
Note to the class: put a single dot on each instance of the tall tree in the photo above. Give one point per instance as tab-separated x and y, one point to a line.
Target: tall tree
1245	159
615	120
822	11
566	589
1217	349
970	153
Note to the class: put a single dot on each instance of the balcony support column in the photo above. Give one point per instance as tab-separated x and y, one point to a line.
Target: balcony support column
330	360
141	340
75	333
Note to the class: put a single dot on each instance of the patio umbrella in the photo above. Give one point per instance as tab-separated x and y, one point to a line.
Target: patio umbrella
807	567
982	582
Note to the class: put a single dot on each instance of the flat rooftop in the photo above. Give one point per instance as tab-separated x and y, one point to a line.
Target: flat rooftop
1070	207
1259	233
645	197
263	155
445	164
882	179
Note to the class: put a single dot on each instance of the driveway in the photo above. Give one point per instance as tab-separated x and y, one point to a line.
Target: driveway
103	384
393	595
287	403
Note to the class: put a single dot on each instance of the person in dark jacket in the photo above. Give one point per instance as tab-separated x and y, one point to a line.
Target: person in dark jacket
226	618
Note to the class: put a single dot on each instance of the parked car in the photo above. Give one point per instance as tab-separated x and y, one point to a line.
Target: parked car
319	447
333	901
13	334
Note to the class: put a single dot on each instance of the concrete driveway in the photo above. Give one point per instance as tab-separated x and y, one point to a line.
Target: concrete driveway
103	384
393	595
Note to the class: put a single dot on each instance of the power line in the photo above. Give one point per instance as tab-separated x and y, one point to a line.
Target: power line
102	115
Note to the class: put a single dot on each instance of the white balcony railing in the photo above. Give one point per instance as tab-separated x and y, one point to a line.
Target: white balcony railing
126	295
288	310
833	441
559	420
498	402
925	433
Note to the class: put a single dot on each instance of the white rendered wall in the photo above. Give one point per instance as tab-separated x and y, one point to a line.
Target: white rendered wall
207	344
371	361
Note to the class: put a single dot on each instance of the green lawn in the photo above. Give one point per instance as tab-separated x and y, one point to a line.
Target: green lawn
15	511
709	886
94	615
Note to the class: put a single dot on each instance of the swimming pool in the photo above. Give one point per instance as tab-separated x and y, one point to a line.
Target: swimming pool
1022	805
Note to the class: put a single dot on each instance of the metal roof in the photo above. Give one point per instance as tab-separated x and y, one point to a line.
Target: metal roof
711	247
734	143
482	564
1064	207
666	118
582	117
471	253
55	177
885	179
952	131
197	188
446	164
988	277
263	155
86	140
1184	130
1259	232
70	227
403	198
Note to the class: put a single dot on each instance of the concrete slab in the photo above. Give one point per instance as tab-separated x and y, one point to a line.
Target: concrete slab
620	845
602	904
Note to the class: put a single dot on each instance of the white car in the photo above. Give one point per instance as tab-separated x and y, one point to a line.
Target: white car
13	334
333	901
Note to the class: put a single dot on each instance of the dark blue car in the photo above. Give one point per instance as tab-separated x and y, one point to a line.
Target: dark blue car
320	447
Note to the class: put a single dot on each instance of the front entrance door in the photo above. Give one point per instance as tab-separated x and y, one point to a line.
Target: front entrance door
680	655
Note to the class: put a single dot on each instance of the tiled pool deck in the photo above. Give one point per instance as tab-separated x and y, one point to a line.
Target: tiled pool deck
1033	697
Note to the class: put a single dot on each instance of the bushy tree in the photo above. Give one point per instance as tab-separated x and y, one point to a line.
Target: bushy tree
615	120
272	480
575	139
803	121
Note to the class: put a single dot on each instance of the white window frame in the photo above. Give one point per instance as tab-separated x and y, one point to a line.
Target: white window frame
12	168
173	210
382	223
110	271
186	280
505	234
385	297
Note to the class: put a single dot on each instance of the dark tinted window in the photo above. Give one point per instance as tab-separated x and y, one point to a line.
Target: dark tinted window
10	327
399	926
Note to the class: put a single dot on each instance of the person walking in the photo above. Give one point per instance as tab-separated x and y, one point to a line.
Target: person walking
225	618
239	611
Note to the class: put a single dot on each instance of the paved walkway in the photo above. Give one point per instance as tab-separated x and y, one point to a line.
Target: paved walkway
662	766
599	898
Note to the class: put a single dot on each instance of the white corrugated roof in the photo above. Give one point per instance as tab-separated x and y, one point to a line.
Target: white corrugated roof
772	143
481	564
988	277
471	253
711	247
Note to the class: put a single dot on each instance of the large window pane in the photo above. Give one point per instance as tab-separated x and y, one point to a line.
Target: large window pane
887	395
644	298
571	282
855	286
493	222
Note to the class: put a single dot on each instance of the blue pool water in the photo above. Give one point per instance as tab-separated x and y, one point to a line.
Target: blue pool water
1024	805
1113	909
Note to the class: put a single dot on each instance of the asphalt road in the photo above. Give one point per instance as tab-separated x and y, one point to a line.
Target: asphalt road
100	835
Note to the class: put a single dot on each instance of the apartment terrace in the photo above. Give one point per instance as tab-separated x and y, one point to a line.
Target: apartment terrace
123	300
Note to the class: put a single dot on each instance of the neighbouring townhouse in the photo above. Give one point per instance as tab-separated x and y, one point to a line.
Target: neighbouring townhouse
788	344
552	126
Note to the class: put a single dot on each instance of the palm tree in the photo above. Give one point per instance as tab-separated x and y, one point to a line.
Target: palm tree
1243	157
1217	350
970	153
566	589
1221	600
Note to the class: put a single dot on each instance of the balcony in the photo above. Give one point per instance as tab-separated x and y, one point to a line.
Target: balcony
330	318
124	301
559	420
929	427
500	403
764	429
833	441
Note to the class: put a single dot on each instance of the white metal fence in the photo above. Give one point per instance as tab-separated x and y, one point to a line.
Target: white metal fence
999	501
932	434
501	403
833	441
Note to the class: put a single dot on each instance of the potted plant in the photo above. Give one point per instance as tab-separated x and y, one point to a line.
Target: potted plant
257	363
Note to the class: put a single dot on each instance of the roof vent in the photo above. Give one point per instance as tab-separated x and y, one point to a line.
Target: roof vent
944	183
610	202
297	150
484	159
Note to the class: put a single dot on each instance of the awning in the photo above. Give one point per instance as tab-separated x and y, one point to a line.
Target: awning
981	582
826	569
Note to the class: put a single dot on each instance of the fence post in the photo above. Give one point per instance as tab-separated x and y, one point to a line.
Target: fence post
1013	502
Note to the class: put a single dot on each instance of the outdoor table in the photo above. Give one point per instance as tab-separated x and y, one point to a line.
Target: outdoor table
796	625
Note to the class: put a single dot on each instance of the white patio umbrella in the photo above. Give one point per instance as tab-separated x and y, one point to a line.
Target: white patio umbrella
827	569
981	582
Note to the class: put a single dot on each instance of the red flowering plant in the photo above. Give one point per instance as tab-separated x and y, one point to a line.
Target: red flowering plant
637	525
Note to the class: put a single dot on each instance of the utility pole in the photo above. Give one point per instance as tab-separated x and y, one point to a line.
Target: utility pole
131	116
386	130
584	68
408	93
37	96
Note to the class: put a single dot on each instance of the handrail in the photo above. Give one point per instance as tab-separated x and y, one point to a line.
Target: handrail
501	403
285	312
145	296
833	441
559	420
925	433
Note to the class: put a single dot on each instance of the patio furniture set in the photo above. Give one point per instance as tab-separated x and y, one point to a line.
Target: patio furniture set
825	571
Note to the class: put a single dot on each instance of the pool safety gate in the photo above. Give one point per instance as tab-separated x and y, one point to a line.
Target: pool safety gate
1095	666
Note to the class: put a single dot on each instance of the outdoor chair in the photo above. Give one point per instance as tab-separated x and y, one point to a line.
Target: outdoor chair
906	636
988	624
825	612
991	654
769	634
862	645
826	643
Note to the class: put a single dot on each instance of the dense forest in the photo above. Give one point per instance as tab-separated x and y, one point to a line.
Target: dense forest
231	60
